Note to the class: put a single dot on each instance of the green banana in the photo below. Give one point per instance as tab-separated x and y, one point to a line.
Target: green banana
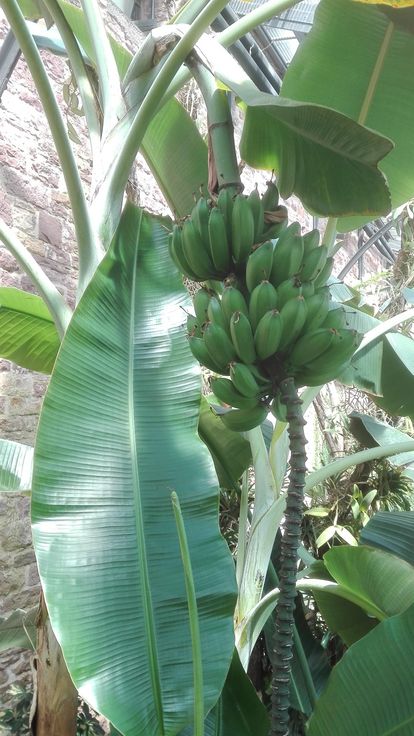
311	241
242	337
219	245
343	345
193	327
259	265
336	317
318	308
232	300
325	273
242	229
270	199
244	380
200	216
288	255
200	352
215	314
278	409
242	420
263	298
263	381
273	230
293	315
196	254
288	289
313	263
225	205
175	247
201	300
225	391
256	206
308	377
268	334
310	346
219	345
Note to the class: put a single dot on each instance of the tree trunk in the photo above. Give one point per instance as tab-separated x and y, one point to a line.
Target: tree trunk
55	696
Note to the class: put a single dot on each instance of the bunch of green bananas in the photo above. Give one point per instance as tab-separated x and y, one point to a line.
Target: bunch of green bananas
217	238
274	319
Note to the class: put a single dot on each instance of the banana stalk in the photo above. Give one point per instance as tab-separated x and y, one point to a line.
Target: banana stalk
283	632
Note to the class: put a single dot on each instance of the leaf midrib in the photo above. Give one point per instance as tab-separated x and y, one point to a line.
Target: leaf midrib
148	612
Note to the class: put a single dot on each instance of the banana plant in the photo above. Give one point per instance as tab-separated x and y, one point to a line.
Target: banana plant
124	494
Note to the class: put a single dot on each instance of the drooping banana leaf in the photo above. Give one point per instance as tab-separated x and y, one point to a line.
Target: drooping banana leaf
118	434
367	79
230	451
16	464
326	159
18	630
372	432
380	579
392	531
370	692
239	711
28	335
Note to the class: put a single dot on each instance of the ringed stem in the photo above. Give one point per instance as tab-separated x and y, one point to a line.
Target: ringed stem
283	630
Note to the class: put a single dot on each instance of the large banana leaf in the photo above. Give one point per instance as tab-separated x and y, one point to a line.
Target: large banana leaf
381	581
357	61
28	335
118	434
392	531
370	691
16	462
328	160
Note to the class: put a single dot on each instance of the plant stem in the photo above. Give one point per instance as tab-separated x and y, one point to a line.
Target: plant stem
194	620
283	633
222	151
90	251
58	308
265	12
108	76
108	203
80	72
303	661
330	234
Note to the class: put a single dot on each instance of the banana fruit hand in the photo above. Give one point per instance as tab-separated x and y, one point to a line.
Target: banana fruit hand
266	312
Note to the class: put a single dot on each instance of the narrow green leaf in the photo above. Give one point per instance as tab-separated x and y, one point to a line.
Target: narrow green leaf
118	434
369	692
18	630
16	464
239	711
325	536
28	335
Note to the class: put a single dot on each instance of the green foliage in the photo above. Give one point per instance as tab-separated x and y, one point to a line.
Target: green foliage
366	79
117	434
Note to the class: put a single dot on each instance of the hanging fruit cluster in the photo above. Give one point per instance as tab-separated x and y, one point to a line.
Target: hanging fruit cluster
271	315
